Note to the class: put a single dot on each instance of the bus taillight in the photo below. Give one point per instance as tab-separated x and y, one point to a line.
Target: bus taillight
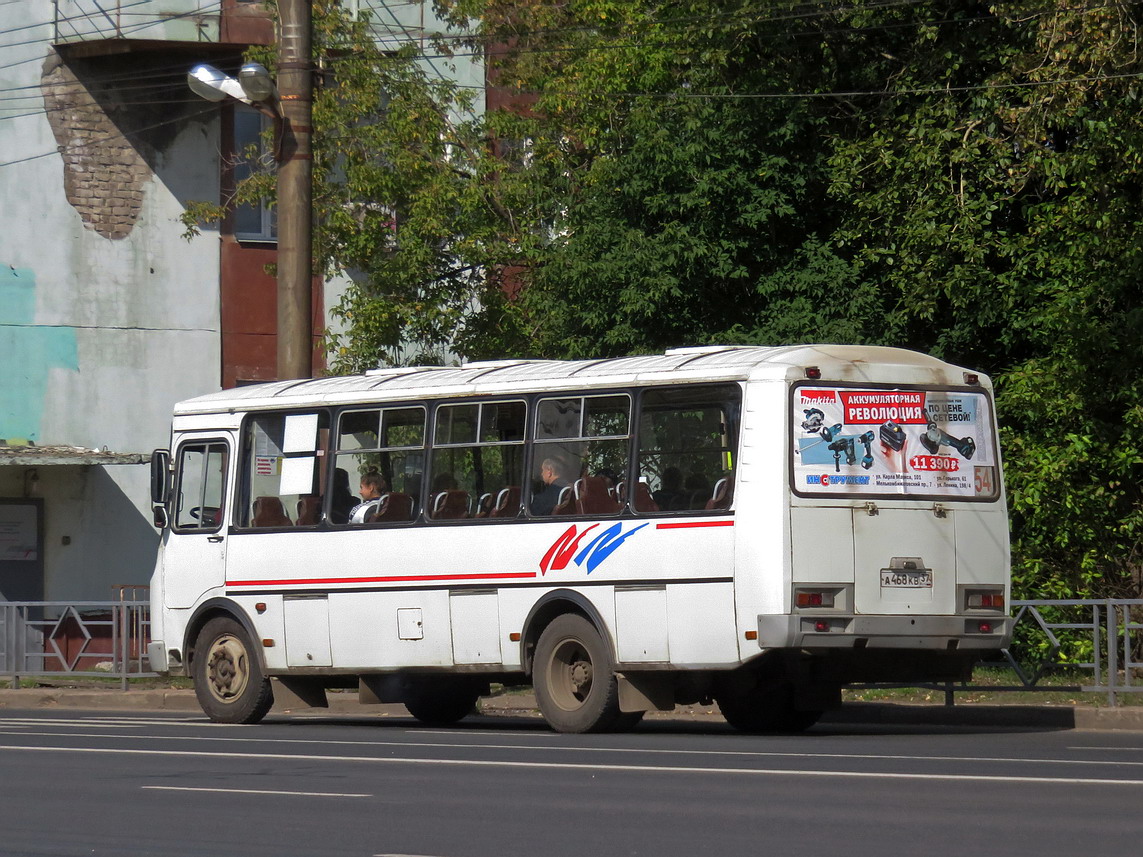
984	599
814	598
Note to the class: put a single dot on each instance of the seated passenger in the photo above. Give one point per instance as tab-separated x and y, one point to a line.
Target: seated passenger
343	501
544	501
373	485
670	494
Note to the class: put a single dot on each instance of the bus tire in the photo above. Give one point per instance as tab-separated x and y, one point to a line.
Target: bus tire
442	702
766	708
574	679
228	679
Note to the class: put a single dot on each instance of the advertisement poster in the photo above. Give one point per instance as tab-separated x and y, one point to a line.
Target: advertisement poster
18	532
879	441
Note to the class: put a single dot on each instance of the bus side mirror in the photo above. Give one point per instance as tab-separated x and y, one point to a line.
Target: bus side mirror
160	486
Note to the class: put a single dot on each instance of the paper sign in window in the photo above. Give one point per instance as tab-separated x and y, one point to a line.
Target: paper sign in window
297	475
300	434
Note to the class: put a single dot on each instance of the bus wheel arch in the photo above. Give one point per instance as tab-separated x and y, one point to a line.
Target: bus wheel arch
212	609
554	604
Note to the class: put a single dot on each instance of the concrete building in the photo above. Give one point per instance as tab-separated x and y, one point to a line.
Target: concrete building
108	314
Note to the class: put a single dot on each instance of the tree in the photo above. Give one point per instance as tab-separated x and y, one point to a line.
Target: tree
958	177
999	193
673	205
402	207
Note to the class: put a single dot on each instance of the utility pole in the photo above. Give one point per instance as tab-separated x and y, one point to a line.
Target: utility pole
295	177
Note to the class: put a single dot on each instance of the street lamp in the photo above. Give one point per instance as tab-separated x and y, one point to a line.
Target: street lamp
255	86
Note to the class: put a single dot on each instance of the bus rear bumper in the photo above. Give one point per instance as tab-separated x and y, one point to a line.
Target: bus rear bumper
834	631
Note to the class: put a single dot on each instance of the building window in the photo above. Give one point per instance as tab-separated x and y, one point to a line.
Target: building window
252	222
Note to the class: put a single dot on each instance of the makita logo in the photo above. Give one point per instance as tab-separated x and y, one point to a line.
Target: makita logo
836	479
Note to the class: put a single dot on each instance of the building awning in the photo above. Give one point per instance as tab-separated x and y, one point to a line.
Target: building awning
42	456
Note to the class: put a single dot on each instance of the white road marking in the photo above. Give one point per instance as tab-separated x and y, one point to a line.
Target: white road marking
548	749
574	766
482	733
252	791
51	721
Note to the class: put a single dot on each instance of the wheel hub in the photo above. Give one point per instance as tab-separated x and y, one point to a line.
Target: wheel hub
581	675
226	668
221	671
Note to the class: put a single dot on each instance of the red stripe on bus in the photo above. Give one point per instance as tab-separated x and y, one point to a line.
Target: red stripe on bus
394	579
694	524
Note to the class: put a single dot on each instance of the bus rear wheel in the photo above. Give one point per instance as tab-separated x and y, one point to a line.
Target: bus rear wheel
228	680
442	702
766	707
574	679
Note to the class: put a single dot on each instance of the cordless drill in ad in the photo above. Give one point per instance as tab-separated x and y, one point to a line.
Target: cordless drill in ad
847	444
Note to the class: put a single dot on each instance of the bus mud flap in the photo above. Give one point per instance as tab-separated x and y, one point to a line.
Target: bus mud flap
645	692
295	692
379	689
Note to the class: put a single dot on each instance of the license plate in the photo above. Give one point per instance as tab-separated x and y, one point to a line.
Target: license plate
899	578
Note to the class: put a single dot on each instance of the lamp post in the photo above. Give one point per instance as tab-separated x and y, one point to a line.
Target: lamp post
295	190
290	105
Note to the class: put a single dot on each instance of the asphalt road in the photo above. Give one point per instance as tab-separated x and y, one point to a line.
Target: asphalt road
75	783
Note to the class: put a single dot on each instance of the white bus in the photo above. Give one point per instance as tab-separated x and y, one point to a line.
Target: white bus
753	526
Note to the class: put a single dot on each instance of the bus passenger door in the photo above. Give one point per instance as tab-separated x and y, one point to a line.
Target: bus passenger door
194	547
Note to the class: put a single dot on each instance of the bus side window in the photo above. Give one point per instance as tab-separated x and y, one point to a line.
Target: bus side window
378	442
580	455
477	461
284	457
688	440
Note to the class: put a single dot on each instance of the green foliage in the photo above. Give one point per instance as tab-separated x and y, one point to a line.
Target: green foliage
958	177
1003	206
402	208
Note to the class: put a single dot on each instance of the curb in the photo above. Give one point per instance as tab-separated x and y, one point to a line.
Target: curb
1087	718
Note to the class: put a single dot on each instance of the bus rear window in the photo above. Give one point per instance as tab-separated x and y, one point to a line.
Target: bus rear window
882	441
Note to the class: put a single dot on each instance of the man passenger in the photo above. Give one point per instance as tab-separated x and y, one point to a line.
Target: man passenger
544	501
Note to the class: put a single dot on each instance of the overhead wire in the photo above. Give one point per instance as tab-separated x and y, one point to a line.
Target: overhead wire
642	44
102	35
117	136
96	12
883	93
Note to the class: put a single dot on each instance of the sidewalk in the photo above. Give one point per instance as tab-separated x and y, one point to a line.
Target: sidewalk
1123	718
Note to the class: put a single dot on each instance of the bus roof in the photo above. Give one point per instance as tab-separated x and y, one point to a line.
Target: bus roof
853	363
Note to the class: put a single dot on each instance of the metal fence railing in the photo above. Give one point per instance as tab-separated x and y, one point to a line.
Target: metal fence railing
75	638
1098	640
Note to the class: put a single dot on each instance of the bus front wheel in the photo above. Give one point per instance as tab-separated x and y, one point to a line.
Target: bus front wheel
228	680
574	679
